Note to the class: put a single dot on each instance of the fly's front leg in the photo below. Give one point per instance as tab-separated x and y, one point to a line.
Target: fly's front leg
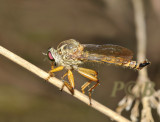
54	70
92	76
69	85
52	67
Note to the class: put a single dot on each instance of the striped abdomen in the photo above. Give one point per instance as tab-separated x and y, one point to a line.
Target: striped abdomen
121	61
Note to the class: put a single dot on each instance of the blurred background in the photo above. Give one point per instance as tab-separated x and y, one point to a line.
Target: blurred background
29	27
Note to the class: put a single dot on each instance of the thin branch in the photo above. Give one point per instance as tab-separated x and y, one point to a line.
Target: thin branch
138	89
39	72
141	35
139	15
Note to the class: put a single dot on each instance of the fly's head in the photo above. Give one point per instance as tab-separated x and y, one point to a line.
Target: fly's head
52	54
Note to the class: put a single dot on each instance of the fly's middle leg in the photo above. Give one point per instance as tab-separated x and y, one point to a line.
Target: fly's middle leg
69	85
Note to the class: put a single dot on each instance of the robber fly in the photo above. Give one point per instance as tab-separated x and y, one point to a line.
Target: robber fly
70	54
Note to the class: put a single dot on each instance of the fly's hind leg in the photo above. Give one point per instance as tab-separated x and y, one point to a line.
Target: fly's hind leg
69	85
92	76
84	86
91	89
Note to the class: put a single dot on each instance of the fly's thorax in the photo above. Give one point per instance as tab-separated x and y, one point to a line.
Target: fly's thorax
64	59
68	60
70	47
70	51
67	53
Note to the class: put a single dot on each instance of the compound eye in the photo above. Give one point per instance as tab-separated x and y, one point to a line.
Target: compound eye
50	56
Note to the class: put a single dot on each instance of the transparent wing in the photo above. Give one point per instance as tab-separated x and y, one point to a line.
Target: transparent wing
109	50
107	53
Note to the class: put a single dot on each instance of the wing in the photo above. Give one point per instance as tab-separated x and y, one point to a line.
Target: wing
106	53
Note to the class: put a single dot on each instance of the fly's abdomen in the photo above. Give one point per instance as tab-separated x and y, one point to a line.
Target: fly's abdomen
121	61
126	63
135	65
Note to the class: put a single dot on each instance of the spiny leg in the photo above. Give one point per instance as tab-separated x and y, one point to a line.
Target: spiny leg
52	67
62	78
50	74
54	70
92	76
91	89
69	85
88	71
70	88
64	82
84	86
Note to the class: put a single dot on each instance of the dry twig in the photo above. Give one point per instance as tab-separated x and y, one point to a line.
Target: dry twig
96	105
148	102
